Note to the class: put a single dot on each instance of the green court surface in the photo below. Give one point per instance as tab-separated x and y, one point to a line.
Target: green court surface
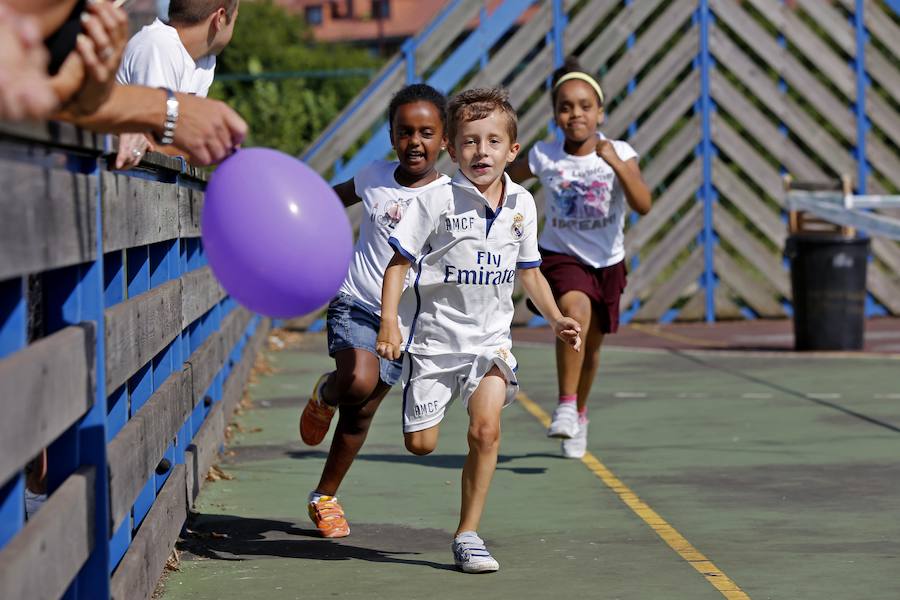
771	476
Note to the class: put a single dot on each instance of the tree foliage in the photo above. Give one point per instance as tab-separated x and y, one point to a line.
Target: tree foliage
286	114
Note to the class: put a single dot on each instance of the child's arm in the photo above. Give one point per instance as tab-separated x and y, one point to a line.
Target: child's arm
518	170
537	288
629	173
347	193
389	339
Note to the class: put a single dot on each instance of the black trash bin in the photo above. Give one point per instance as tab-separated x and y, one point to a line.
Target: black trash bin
828	279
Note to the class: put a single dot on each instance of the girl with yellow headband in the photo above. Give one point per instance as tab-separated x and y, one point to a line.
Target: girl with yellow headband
589	182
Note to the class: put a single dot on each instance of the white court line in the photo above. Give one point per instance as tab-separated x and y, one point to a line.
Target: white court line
693	395
757	395
891	396
630	395
824	396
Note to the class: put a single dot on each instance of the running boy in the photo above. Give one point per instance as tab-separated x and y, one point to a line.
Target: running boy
588	179
469	240
361	380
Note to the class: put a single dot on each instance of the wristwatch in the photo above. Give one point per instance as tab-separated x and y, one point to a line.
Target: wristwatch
168	134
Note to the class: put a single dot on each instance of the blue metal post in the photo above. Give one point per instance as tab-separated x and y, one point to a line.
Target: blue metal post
560	19
707	192
862	82
409	57
13	337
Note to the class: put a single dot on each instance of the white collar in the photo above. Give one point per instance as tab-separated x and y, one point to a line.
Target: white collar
510	188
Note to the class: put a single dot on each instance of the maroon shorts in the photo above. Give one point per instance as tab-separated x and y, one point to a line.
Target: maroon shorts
604	286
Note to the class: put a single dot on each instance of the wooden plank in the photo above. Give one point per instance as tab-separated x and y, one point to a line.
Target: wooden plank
839	29
883	158
44	558
143	563
137	212
682	144
796	74
137	449
653	84
884	289
190	203
56	134
764	131
883	116
200	291
745	156
819	53
234	326
680	101
760	297
46	387
628	20
695	309
237	379
888	252
669	292
882	70
539	67
763	218
509	56
138	329
431	48
795	117
204	449
205	363
47	217
664	208
658	259
879	24
648	45
364	117
757	254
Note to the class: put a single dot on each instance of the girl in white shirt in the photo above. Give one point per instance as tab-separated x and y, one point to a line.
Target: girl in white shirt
588	180
361	378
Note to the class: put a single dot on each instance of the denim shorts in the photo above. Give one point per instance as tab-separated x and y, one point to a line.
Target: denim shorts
351	325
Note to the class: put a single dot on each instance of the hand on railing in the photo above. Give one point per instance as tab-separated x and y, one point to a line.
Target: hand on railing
208	130
132	147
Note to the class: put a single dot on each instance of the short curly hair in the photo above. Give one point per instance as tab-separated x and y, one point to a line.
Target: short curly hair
191	12
478	103
418	92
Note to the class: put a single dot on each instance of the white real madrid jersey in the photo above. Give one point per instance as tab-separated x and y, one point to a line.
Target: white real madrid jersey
384	202
585	208
466	256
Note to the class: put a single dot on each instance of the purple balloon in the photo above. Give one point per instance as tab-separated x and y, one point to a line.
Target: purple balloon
275	233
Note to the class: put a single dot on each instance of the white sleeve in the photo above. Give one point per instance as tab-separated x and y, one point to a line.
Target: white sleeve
363	179
150	65
415	228
624	150
536	160
529	255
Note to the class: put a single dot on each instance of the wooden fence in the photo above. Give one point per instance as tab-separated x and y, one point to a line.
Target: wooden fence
719	97
119	353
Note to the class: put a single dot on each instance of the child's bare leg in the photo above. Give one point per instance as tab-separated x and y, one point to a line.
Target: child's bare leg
422	442
484	444
355	379
349	436
576	305
591	363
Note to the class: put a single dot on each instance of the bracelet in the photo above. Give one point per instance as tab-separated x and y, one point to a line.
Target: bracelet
168	134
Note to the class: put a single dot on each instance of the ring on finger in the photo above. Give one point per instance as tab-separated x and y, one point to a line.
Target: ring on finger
136	153
106	53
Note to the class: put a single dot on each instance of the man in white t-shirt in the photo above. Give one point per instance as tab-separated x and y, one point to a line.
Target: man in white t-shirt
180	56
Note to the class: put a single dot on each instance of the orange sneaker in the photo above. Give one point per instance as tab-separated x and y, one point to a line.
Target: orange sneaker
316	417
328	516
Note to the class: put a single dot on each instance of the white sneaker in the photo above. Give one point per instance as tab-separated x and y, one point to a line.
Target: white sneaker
565	421
470	554
576	446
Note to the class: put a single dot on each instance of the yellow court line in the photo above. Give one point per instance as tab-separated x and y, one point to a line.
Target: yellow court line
669	534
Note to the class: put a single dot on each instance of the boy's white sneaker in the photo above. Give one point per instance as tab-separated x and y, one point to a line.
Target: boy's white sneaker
576	446
565	421
470	554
